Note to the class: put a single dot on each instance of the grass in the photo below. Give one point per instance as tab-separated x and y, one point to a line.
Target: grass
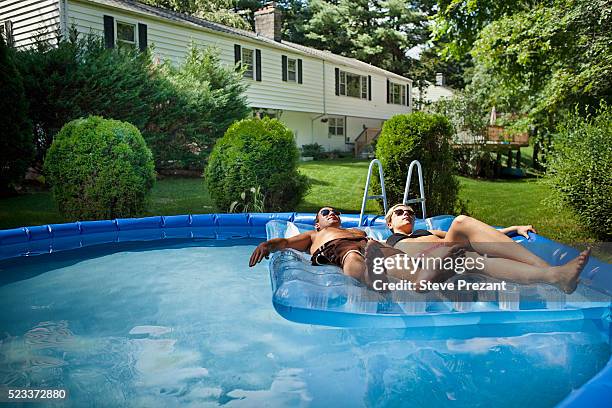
339	183
521	202
170	196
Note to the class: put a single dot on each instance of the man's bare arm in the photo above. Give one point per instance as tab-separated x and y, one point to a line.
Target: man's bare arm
300	242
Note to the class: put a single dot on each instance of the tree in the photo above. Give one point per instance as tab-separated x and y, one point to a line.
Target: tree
180	111
217	11
16	142
458	23
376	32
547	60
296	15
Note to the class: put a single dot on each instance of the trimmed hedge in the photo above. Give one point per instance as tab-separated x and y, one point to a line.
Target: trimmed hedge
99	169
580	170
16	140
426	138
256	153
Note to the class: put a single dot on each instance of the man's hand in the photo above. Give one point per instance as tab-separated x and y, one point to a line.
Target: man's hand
262	251
524	229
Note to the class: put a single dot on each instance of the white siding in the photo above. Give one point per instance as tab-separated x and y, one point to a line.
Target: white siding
346	105
308	128
171	41
315	95
33	20
354	126
433	93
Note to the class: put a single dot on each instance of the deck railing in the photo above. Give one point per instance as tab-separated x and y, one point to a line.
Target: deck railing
365	138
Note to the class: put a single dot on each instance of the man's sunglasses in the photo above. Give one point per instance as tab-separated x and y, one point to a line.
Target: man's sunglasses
325	212
400	211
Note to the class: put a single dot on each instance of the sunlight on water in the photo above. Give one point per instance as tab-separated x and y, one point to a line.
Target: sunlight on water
189	324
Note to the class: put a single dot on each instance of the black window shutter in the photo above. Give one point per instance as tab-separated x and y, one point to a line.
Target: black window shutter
284	68
299	68
142	36
109	32
388	94
237	56
337	81
409	98
8	32
258	65
407	95
369	87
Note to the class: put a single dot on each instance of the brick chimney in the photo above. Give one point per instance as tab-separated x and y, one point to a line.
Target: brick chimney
268	22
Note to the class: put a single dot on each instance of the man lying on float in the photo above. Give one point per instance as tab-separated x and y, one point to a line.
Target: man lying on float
363	258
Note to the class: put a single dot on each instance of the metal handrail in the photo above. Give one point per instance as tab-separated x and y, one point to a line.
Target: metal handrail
367	197
421	187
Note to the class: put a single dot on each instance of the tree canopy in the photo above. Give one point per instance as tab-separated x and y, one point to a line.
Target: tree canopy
548	59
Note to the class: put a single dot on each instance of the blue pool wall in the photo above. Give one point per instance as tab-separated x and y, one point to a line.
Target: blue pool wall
27	241
36	240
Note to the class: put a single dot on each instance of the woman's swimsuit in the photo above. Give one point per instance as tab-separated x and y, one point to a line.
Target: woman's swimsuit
335	251
397	237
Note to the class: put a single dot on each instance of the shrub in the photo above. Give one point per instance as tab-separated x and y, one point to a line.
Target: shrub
16	143
256	153
424	137
313	150
580	170
180	111
211	97
99	169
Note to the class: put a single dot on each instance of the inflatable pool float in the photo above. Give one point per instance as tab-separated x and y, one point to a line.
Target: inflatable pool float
323	295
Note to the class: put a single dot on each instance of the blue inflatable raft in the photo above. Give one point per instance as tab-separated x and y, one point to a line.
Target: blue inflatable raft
323	295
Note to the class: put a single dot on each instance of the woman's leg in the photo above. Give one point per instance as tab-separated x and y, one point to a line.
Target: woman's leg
485	239
404	268
565	277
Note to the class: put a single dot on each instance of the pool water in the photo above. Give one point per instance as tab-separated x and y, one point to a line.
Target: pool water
187	323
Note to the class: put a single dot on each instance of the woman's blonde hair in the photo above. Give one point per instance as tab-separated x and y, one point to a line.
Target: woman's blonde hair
390	212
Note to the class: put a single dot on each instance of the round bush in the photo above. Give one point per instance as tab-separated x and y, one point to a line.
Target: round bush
580	170
256	153
99	169
426	138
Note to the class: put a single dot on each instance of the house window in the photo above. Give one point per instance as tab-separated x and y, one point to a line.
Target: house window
397	94
353	85
126	34
247	61
291	70
336	127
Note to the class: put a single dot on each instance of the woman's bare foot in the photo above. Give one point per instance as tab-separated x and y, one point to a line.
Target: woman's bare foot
566	276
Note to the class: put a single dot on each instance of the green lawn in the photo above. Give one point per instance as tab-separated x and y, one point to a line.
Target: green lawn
338	183
516	202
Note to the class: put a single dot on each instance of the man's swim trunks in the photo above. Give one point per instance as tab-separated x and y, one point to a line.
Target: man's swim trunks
334	251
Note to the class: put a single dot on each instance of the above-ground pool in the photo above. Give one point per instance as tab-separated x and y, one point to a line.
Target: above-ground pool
185	322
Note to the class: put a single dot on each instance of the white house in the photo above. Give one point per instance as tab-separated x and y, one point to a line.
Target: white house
432	92
323	97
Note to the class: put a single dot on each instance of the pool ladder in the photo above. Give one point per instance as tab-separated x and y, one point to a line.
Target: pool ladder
381	177
421	199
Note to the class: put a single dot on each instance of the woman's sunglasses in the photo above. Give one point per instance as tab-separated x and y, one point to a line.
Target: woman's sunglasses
325	212
400	211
